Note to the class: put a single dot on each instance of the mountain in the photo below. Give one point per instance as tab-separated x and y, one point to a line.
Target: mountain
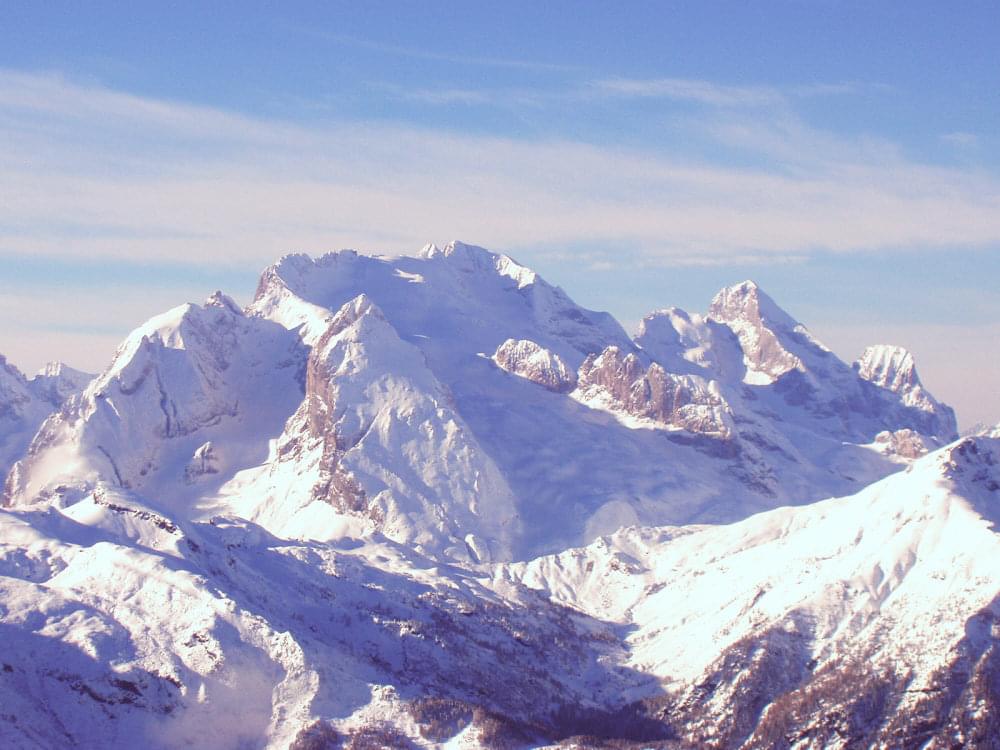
474	408
376	446
860	621
123	626
24	404
190	397
430	501
867	621
524	364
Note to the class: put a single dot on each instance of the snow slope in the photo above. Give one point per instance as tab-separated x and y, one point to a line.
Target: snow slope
123	626
864	621
847	623
190	383
583	459
376	446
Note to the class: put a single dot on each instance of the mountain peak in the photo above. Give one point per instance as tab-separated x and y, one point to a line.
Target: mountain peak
354	310
57	381
748	302
454	248
762	328
220	299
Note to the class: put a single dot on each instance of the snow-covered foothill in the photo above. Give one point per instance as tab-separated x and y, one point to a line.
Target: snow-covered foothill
858	619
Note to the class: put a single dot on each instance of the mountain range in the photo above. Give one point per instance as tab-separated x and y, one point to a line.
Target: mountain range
430	501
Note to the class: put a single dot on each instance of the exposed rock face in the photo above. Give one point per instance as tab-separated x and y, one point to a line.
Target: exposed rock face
683	401
904	443
889	367
760	326
781	358
205	461
892	369
528	360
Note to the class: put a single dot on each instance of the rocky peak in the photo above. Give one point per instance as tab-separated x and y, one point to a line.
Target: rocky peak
761	327
358	340
56	382
905	443
611	368
219	299
746	301
379	439
353	311
890	367
13	388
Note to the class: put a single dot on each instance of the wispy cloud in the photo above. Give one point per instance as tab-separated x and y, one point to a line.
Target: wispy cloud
177	182
446	96
496	97
714	94
682	89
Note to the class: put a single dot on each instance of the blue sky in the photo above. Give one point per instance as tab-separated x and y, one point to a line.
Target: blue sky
844	155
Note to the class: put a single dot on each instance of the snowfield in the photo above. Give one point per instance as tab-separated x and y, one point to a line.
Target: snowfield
429	501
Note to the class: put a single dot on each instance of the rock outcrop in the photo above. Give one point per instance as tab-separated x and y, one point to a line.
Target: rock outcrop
682	401
528	360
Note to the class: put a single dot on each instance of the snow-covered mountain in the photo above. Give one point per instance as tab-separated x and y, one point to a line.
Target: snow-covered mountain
419	500
190	397
580	420
377	446
474	408
24	403
867	621
863	621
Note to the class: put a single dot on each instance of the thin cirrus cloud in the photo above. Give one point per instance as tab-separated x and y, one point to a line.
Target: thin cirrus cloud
703	92
714	94
91	171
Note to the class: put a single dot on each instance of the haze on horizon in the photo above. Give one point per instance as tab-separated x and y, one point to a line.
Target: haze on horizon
844	156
